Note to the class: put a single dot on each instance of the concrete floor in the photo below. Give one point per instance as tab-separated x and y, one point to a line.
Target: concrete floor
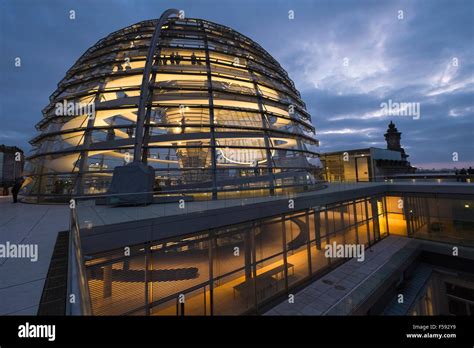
21	280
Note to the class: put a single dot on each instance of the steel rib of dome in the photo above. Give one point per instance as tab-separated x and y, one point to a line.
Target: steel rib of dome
223	116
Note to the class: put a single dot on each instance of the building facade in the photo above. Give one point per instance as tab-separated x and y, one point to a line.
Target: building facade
11	166
369	164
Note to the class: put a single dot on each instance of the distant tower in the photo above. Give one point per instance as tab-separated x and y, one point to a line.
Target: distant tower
392	137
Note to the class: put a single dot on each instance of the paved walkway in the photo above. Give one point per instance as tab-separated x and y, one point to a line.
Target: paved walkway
21	281
319	297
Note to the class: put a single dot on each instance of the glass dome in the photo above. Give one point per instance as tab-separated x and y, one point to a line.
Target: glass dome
222	116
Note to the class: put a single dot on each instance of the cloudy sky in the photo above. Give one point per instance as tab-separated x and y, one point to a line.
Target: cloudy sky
346	58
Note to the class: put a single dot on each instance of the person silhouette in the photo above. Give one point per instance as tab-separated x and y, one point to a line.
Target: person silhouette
256	171
16	188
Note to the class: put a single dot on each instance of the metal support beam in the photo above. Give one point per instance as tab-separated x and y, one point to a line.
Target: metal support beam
385	207
266	127
285	255
356	225
341	216
212	244
148	300
367	223
82	163
317	228
211	118
407	213
145	87
308	241
375	218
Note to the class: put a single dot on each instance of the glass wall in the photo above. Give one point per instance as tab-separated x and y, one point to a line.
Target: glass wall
435	218
241	268
229	271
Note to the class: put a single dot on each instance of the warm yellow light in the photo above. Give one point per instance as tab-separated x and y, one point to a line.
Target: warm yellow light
466	205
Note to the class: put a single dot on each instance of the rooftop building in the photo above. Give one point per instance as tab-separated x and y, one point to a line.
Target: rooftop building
369	164
11	166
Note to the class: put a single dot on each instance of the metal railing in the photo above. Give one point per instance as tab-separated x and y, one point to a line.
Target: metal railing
440	178
78	295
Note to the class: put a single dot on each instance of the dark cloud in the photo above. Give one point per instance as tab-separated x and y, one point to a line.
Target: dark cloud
409	60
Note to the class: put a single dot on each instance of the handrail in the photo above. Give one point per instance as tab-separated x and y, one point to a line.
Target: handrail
77	284
311	187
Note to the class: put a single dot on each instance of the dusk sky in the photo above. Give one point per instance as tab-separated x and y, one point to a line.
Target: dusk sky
345	57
